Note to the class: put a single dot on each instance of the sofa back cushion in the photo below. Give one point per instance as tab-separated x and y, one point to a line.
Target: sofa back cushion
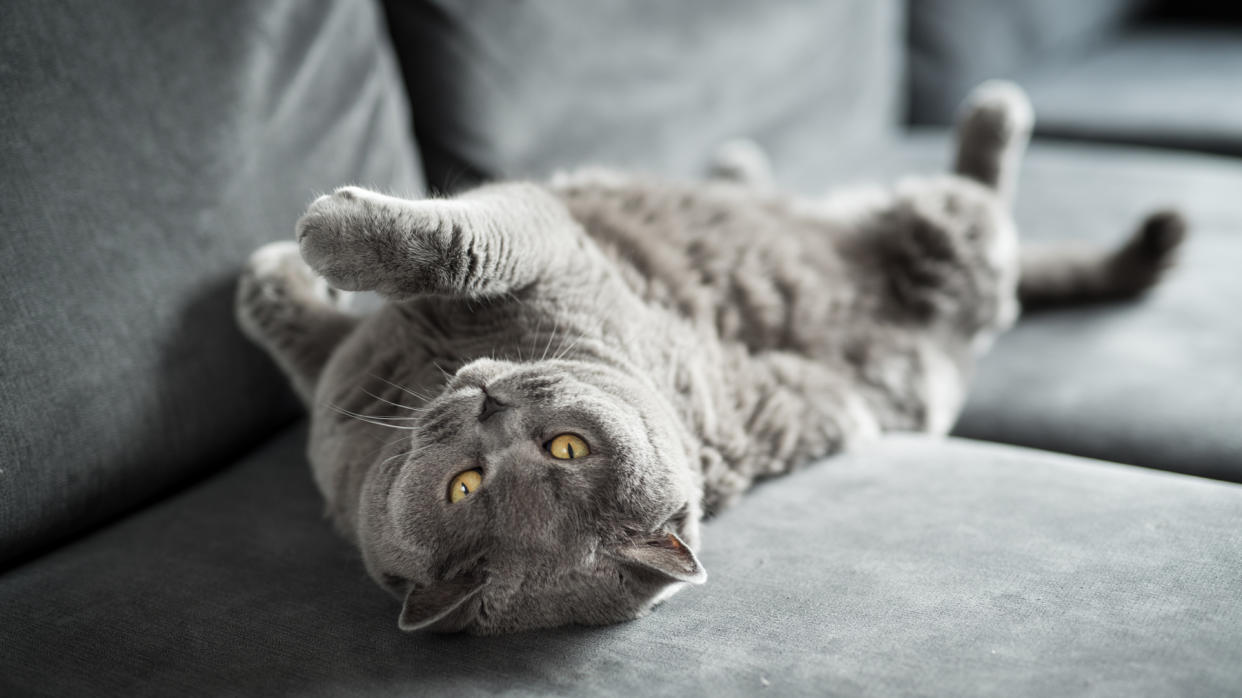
147	149
956	44
514	89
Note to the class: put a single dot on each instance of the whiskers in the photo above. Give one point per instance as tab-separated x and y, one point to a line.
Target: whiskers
567	346
377	421
551	337
559	344
404	423
404	389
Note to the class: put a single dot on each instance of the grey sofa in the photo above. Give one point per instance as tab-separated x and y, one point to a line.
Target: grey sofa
159	533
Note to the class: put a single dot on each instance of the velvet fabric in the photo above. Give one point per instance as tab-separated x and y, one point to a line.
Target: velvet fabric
504	90
147	149
1170	86
912	566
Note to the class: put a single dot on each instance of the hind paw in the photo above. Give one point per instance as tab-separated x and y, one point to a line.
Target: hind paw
1000	109
1149	253
1161	234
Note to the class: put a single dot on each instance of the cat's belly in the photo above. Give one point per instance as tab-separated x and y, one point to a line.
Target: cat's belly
720	256
777	274
761	274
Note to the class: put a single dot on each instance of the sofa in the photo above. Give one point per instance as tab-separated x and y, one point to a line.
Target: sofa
1079	534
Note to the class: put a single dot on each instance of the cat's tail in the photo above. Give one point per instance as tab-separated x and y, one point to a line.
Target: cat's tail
1064	273
992	132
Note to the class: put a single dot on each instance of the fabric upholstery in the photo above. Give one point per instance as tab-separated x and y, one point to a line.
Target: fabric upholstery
1155	382
911	567
147	149
956	44
1172	86
518	90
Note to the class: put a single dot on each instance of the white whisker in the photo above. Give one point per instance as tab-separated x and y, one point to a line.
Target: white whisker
369	419
402	388
390	402
534	337
551	337
566	348
447	376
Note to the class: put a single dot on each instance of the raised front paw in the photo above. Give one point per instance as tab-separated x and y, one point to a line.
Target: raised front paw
356	238
484	242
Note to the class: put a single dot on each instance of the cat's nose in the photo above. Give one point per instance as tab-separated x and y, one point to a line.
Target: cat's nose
490	407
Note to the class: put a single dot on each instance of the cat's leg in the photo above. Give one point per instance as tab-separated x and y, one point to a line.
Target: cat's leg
794	409
786	411
1068	272
992	133
486	242
744	162
285	309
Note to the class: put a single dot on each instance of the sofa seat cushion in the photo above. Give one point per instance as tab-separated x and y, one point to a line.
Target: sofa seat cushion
911	566
1155	382
1173	86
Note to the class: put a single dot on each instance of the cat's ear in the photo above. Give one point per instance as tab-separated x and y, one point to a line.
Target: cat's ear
428	605
666	553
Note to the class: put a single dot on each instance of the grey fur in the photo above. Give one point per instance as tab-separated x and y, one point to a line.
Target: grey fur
699	337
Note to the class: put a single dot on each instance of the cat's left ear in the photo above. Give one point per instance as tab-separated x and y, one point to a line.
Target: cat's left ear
426	606
666	553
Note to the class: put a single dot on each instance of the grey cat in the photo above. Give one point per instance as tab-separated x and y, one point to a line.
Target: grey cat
566	378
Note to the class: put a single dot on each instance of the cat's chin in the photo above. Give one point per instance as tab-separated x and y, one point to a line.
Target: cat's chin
474	617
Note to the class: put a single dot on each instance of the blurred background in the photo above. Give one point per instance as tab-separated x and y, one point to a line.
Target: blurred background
1146	72
532	86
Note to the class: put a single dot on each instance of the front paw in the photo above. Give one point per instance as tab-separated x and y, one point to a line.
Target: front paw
273	284
349	237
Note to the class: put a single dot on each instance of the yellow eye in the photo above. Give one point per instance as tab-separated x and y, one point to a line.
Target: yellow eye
568	446
464	484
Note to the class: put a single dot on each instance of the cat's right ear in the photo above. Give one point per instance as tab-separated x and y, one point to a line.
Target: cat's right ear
427	605
666	553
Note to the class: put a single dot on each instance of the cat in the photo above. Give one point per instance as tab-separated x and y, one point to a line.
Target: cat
566	378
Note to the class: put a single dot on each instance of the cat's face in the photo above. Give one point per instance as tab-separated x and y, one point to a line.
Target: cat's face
534	495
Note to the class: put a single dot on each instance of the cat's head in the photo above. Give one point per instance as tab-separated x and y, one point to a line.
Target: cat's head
534	495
